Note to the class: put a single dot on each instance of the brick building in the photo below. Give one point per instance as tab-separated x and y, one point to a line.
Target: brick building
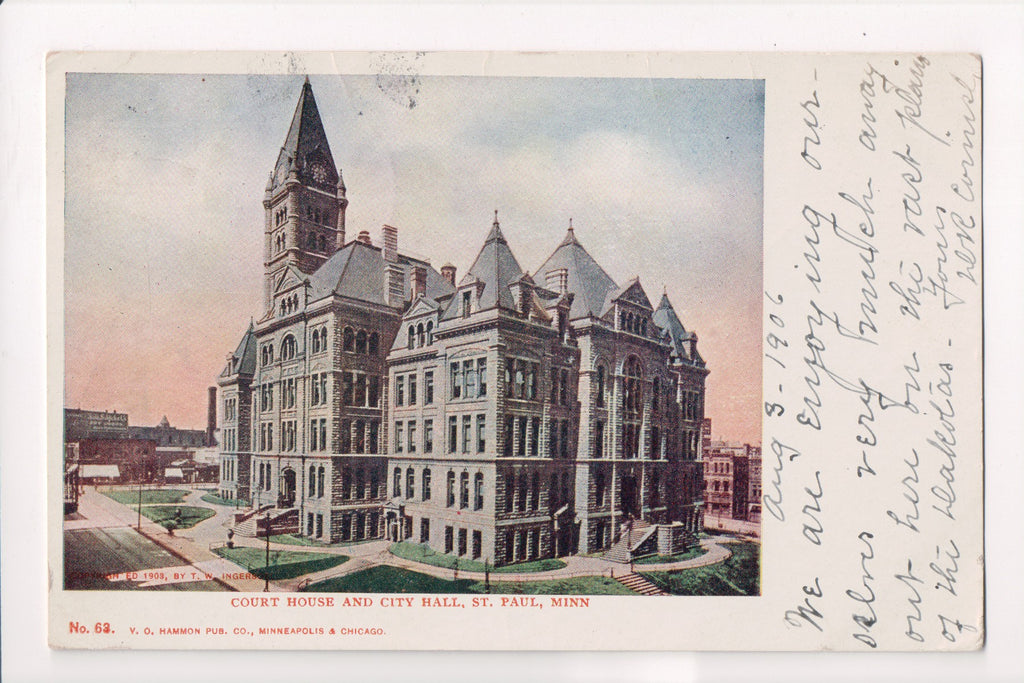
732	479
502	416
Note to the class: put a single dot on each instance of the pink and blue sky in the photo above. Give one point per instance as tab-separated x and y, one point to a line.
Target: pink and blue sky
163	215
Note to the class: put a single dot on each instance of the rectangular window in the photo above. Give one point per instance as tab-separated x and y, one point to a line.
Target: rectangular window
424	530
412	390
481	433
319	526
345	432
428	387
398	437
469	373
371	436
535	437
466	433
478	544
554	385
466	302
323	435
455	380
599	439
462	542
399	390
373	391
464	490
360	390
449	537
450	500
428	436
426	484
411	442
521	440
563	438
481	371
563	388
453	434
510	425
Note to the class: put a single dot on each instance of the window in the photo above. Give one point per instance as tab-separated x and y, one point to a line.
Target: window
450	501
563	438
519	379
521	443
655	443
510	423
399	390
396	487
563	388
410	484
552	438
359	393
462	542
360	484
453	434
655	393
428	436
288	399
426	483
535	491
361	341
481	433
455	380
449	536
478	491
600	386
554	385
466	433
348	339
373	391
428	387
599	439
323	435
469	377
358	437
411	441
466	301
464	490
312	481
599	489
319	526
320	482
481	371
477	544
373	344
521	492
412	389
534	436
398	436
412	337
510	489
424	530
288	348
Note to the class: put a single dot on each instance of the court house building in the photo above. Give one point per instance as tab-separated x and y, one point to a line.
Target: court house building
499	416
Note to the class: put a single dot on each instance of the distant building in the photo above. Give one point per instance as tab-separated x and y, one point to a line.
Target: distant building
167	436
732	479
754	487
94	424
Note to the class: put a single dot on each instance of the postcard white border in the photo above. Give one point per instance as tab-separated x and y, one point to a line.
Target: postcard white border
994	32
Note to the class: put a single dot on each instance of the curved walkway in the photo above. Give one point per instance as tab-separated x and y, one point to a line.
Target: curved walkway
366	554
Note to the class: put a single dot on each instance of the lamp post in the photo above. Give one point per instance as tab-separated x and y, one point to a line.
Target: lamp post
266	564
138	522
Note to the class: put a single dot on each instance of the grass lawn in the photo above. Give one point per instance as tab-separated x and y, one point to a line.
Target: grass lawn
284	564
738	575
217	500
421	553
164	514
130	496
678	557
385	579
292	539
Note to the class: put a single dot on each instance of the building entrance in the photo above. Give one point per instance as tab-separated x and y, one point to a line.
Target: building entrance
287	488
630	497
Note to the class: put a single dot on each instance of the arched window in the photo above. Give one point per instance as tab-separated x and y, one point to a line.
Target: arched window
320	482
397	487
450	501
374	342
312	481
464	490
412	336
348	341
430	332
600	386
288	348
410	484
425	483
420	335
633	386
643	326
361	341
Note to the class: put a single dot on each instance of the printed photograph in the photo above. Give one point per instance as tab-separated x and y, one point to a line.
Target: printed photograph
399	333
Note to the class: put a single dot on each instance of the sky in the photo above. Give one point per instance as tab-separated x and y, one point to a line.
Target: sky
165	175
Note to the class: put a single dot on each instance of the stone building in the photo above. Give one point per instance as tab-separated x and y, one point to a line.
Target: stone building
499	416
732	480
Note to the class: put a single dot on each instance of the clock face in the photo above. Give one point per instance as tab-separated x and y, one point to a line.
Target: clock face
319	172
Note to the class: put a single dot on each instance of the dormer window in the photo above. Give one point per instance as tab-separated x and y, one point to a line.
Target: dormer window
467	300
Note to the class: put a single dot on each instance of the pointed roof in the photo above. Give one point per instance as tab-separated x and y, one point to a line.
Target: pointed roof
243	360
586	278
495	268
665	317
307	139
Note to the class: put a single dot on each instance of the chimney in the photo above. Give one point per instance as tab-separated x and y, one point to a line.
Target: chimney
448	273
419	281
390	244
364	237
211	416
557	280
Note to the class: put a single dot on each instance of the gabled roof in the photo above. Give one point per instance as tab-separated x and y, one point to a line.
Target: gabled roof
243	360
632	291
495	268
306	135
665	317
586	279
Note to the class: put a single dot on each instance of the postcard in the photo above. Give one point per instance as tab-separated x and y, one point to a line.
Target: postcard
433	351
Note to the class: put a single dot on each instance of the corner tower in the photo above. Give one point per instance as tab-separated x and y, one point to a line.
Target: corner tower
304	205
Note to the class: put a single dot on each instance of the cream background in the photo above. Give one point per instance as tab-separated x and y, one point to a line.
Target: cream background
599	667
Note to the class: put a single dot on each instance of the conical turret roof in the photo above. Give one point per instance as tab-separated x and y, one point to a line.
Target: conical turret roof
586	278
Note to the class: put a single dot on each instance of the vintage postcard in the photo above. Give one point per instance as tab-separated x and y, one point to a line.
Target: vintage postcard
515	351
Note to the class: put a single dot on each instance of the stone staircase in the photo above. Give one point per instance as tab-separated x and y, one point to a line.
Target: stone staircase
624	551
253	524
639	584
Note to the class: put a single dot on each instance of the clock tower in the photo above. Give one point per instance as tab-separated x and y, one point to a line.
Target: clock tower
304	205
